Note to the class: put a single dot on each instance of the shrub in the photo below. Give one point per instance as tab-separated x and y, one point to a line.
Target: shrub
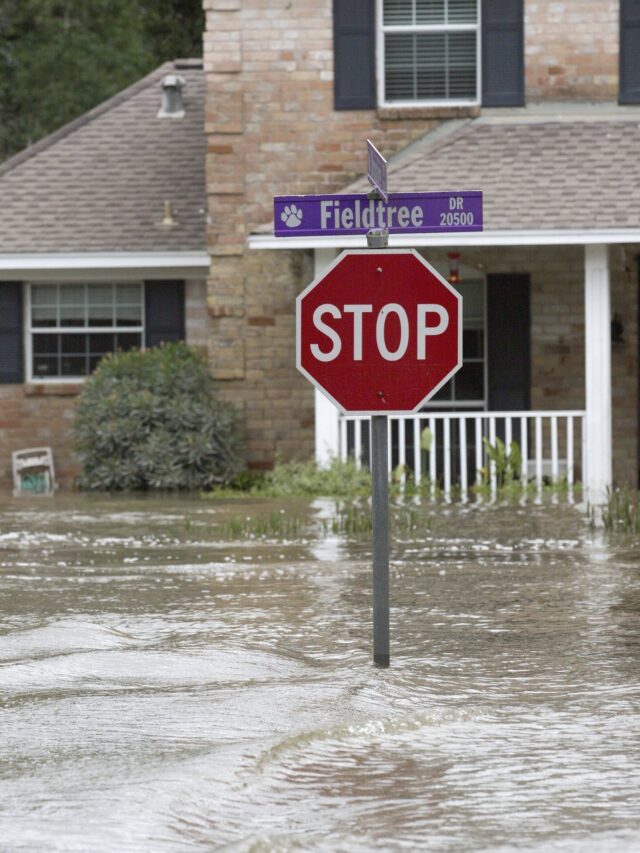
151	420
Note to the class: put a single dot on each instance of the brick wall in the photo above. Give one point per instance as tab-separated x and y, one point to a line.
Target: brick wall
36	416
271	131
41	414
571	49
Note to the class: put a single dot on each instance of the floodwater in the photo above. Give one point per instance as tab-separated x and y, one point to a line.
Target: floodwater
167	686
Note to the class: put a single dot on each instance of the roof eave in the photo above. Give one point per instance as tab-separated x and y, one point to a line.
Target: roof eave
148	264
523	237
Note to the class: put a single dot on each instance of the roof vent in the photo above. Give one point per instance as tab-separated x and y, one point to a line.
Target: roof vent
172	105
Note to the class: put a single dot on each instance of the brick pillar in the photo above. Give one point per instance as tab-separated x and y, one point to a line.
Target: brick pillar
225	186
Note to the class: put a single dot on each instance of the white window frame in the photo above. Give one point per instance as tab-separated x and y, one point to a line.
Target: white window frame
30	330
382	30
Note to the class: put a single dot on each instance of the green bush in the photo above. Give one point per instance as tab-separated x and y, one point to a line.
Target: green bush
151	420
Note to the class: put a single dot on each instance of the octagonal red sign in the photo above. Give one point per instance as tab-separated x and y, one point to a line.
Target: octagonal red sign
379	331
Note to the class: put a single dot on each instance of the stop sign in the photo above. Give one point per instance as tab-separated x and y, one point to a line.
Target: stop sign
379	332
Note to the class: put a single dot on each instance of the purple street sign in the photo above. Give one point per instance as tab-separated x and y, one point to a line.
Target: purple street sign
377	170
404	213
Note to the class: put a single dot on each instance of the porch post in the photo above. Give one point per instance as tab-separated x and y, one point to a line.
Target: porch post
597	322
326	422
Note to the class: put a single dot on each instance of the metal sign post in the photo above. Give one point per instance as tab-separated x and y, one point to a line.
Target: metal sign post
379	432
380	538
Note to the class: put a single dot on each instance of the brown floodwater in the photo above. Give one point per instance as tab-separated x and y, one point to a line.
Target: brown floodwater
183	675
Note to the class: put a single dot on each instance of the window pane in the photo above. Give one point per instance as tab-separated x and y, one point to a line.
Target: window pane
44	294
94	361
128	294
72	294
73	344
462	12
101	315
100	300
129	315
100	294
72	315
462	65
44	316
430	56
101	344
128	342
45	365
72	304
45	344
399	12
129	305
470	381
430	12
472	343
400	67
73	366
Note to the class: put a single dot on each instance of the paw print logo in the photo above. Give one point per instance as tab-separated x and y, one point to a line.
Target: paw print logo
291	216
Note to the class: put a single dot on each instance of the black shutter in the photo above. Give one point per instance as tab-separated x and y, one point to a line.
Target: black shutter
509	337
164	312
502	53
11	359
629	52
354	44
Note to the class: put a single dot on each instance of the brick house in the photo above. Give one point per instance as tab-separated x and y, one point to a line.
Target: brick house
157	221
535	104
102	247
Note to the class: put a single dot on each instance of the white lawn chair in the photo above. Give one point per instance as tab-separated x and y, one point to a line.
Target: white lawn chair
33	471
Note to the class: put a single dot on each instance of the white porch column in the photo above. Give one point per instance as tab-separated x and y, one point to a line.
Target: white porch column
597	323
327	425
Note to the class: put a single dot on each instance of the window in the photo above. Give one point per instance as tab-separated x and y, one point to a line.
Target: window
467	388
429	51
413	53
72	326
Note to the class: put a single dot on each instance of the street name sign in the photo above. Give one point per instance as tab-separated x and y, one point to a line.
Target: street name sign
403	213
377	170
379	332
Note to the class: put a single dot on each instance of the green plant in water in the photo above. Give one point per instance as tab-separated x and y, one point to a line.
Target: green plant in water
349	520
356	520
621	512
275	525
507	462
302	479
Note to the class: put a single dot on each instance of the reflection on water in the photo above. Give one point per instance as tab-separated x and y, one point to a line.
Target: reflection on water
165	689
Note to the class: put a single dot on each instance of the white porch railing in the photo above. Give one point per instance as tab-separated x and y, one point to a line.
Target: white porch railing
449	450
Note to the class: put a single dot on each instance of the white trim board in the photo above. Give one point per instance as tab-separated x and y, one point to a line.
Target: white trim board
569	237
149	264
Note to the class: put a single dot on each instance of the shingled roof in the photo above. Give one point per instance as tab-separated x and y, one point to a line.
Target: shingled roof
535	172
100	183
